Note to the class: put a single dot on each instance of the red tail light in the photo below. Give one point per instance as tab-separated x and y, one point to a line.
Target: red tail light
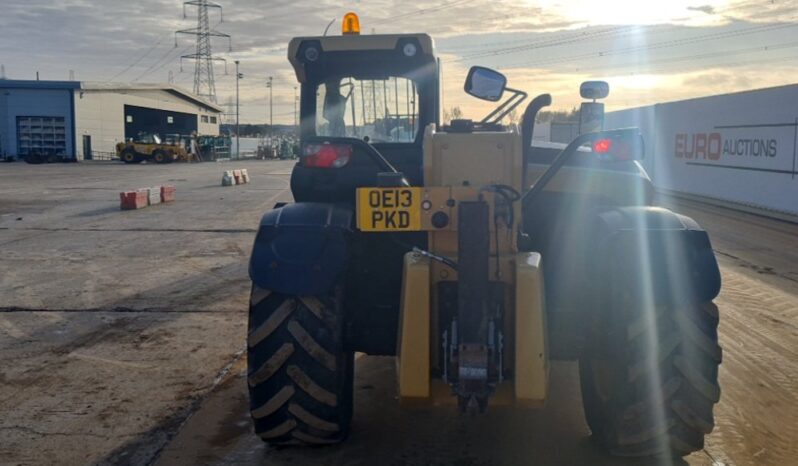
326	155
615	150
602	146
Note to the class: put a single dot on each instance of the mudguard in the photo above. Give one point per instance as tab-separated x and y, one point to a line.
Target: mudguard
302	248
655	251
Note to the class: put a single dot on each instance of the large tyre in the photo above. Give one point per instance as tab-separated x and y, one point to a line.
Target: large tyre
159	156
129	156
650	379
299	376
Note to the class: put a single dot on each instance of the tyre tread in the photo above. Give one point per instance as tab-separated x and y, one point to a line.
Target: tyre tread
298	369
644	422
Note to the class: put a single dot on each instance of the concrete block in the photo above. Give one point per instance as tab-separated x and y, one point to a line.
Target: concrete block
154	195
167	193
228	179
132	200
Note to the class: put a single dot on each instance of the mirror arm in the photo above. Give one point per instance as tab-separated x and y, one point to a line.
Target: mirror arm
567	153
505	108
522	95
544	179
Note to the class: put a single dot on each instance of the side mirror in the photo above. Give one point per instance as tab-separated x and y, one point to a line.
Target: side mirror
485	83
594	90
591	117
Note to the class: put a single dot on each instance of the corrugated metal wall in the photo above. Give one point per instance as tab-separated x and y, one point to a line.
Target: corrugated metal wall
4	135
34	103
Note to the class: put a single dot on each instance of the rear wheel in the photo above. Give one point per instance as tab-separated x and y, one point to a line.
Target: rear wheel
299	376
159	156
129	156
650	379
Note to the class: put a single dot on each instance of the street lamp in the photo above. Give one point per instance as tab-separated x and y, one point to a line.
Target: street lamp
271	115
296	99
238	131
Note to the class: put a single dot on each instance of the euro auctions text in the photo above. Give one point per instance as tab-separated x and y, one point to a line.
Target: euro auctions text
712	146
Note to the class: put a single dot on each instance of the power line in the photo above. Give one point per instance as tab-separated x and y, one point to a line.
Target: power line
741	6
289	14
162	61
478	48
154	64
702	56
749	62
655	46
644	68
550	43
137	61
422	11
613	31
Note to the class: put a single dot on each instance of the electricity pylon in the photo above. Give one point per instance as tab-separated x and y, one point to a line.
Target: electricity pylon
204	84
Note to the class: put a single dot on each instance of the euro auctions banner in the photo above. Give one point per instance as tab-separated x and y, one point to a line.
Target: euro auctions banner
736	147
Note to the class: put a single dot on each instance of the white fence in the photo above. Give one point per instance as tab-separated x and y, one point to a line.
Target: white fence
735	147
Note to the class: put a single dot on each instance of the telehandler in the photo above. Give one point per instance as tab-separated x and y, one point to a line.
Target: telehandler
150	148
431	243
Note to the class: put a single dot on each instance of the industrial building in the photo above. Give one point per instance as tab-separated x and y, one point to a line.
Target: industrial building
80	120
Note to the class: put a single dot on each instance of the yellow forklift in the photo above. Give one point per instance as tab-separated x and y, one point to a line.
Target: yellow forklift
150	148
473	257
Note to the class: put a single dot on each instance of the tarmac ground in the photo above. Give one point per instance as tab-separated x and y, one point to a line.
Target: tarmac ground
122	336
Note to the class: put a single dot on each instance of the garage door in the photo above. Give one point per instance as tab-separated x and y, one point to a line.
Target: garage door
41	135
154	121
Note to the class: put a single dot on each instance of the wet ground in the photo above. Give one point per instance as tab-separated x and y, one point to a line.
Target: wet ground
121	337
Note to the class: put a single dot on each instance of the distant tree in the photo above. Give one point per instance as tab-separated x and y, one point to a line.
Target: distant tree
558	115
454	113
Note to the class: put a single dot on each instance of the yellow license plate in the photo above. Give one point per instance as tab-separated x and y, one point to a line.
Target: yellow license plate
389	209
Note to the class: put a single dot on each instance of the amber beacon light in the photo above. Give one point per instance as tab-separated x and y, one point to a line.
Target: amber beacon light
351	24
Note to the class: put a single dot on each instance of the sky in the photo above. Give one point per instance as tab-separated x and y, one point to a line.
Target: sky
648	51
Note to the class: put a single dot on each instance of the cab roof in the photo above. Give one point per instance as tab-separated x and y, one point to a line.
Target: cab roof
355	43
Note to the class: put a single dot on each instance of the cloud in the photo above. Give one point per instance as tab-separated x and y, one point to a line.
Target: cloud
135	40
708	9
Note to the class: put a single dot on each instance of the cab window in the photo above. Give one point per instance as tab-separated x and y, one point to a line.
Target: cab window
384	110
